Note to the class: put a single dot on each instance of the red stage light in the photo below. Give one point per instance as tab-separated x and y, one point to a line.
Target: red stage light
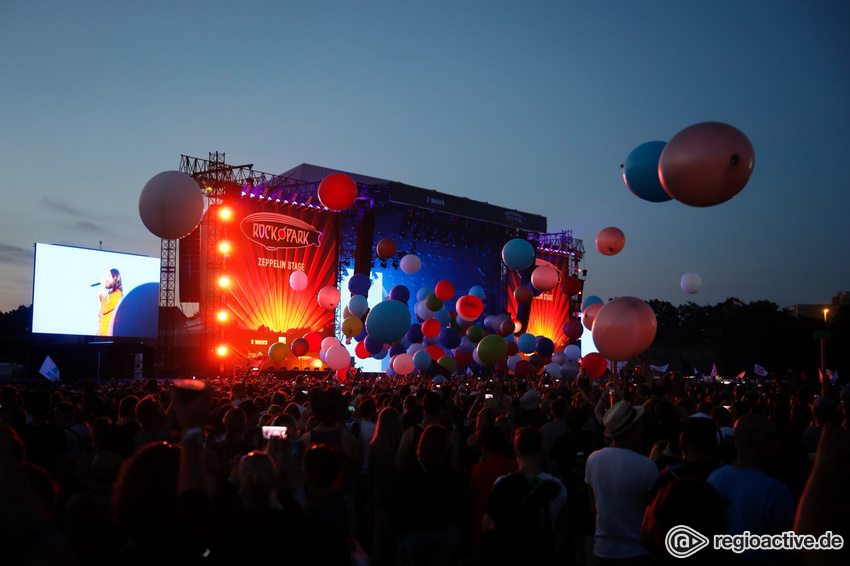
223	315
225	213
224	281
221	350
224	246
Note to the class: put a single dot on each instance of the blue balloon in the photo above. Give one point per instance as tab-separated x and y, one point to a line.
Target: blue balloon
388	321
590	300
640	172
444	317
518	254
363	334
414	333
373	346
450	338
477	291
423	292
573	352
422	360
545	347
534	290
400	293
526	343
359	284
397	349
358	305
381	355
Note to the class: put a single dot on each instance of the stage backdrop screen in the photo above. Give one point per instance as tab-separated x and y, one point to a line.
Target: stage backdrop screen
81	291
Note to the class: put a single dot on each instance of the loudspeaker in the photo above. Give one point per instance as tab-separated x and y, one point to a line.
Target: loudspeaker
189	266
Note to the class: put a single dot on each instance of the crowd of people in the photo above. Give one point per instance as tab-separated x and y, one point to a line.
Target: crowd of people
472	470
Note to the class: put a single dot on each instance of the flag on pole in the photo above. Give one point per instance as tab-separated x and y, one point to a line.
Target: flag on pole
49	370
833	376
698	374
741	375
760	370
661	369
713	370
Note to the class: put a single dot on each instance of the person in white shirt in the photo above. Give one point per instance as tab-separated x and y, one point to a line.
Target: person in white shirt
619	480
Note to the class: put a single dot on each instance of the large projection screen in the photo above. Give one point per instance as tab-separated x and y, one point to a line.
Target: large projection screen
75	292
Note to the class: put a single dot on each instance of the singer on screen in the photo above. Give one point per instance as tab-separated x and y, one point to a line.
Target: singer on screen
110	294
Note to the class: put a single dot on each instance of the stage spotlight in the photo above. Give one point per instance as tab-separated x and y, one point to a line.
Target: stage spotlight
395	264
221	350
224	281
224	246
383	264
223	315
225	213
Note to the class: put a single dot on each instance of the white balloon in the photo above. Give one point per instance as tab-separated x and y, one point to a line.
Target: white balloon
410	263
338	357
329	342
298	280
691	283
171	205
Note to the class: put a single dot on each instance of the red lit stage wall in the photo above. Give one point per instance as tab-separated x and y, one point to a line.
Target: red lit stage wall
269	243
550	310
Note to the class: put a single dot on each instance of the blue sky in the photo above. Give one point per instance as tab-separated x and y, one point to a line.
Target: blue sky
527	105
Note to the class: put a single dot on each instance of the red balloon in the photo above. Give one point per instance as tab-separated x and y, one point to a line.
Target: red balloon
609	241
386	248
588	314
299	347
706	164
337	191
512	349
435	352
470	307
573	329
570	285
623	328
523	295
544	277
444	290
462	359
507	327
314	341
360	351
594	364
431	327
523	367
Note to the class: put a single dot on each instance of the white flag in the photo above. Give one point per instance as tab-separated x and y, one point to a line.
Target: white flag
760	370
661	369
49	370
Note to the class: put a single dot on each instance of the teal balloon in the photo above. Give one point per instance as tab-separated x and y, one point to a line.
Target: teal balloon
640	172
590	300
526	343
518	253
424	292
477	291
358	305
388	321
422	360
492	349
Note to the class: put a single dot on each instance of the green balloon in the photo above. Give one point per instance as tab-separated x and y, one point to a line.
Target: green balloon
433	302
475	333
447	362
492	349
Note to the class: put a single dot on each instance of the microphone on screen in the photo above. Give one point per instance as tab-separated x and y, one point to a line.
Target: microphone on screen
95	284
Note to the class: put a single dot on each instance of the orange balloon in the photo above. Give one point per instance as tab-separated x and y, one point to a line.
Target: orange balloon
588	314
610	241
706	164
623	328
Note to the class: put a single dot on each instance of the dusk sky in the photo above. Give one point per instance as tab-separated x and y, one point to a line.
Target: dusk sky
525	105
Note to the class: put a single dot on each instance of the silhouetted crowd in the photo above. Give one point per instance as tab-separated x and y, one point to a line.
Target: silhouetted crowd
471	470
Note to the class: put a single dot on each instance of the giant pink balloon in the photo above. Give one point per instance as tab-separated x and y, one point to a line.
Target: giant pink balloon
623	328
706	164
589	314
544	277
171	205
609	241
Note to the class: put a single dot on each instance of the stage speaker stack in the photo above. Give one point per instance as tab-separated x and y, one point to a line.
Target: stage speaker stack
365	241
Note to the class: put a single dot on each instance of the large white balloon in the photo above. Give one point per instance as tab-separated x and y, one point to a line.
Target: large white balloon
410	263
691	283
171	205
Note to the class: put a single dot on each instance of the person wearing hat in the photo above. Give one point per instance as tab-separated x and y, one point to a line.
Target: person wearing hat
619	480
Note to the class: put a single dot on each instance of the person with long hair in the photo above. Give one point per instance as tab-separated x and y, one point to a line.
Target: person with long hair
381	483
110	294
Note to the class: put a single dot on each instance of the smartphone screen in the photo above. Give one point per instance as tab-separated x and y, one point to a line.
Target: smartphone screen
274	432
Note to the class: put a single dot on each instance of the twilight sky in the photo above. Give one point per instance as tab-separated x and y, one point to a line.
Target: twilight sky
526	105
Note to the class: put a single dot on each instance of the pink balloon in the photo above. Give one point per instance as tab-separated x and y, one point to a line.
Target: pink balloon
588	314
623	328
706	164
610	241
544	277
403	364
338	357
329	297
298	280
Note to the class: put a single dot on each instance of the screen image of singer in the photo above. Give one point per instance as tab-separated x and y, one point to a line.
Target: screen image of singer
87	292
